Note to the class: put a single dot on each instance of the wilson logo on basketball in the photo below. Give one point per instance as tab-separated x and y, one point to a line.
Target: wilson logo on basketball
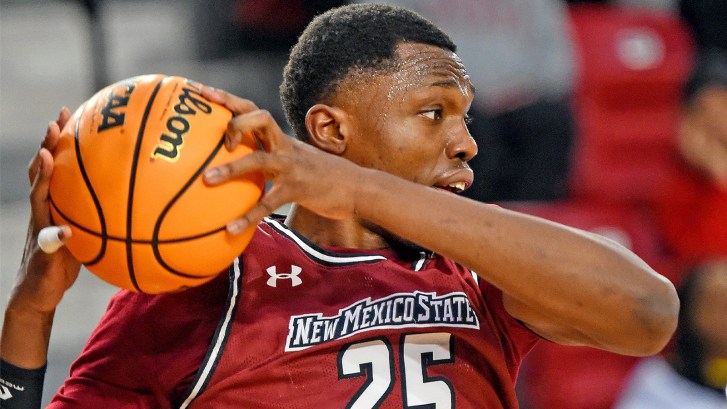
177	126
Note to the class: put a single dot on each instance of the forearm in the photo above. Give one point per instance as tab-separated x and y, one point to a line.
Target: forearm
574	278
23	352
25	337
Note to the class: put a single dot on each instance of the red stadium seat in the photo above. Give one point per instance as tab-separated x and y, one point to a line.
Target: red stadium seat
633	64
560	377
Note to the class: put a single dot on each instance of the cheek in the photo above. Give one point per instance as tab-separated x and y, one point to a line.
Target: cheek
395	158
404	160
415	161
399	147
419	151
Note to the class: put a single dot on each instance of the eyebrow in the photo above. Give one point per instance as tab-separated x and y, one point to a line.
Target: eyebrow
453	84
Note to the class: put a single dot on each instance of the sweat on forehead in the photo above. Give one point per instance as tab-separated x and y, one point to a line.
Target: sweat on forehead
411	66
421	62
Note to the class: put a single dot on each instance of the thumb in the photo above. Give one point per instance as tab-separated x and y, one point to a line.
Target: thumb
51	238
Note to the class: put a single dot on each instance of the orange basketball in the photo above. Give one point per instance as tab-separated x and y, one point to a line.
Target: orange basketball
128	181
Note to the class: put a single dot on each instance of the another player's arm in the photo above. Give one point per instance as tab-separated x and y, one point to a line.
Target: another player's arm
42	280
568	285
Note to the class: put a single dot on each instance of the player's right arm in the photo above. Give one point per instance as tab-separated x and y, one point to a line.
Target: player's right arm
41	282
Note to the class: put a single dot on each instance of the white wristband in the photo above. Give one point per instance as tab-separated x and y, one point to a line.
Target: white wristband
49	240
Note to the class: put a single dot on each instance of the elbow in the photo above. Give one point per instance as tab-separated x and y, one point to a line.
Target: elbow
657	314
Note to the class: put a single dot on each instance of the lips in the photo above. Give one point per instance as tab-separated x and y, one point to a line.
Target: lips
456	181
455	187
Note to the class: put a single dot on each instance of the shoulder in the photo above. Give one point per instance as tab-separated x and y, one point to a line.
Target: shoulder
150	343
179	308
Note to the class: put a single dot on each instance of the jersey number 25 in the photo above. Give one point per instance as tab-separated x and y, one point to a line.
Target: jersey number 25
374	359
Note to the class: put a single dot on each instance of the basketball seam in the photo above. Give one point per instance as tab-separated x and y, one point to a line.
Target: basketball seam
91	191
132	183
108	237
167	208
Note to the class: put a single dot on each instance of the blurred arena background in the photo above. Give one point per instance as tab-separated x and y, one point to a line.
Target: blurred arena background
53	54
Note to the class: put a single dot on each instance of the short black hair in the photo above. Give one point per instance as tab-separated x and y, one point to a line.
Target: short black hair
357	36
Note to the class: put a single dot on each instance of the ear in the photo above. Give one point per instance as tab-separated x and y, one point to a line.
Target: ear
327	128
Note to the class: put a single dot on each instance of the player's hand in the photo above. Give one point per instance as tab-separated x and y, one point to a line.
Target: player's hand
319	181
43	278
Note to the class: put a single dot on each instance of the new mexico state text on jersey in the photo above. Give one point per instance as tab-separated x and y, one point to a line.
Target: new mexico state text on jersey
402	310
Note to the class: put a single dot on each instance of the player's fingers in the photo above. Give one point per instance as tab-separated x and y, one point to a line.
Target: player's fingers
63	116
259	124
234	103
40	187
52	136
265	206
238	130
54	132
33	167
50	140
257	161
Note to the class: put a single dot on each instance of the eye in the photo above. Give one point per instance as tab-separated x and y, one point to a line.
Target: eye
433	114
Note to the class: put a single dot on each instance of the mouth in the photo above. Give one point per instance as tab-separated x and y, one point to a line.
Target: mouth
455	180
454	187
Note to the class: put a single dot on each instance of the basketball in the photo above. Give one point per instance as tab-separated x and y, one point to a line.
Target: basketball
128	181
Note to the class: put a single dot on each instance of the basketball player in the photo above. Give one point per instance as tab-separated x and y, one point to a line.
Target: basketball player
381	289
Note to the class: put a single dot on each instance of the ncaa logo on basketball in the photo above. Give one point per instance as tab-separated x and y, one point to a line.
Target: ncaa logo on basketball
292	276
114	112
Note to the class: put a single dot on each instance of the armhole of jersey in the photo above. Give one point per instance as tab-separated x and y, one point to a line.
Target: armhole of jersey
219	340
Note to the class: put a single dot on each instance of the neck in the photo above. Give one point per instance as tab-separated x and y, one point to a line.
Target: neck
349	233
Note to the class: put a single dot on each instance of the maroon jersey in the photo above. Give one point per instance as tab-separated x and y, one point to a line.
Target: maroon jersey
294	325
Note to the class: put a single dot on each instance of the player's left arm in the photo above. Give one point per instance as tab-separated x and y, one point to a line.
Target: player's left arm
567	285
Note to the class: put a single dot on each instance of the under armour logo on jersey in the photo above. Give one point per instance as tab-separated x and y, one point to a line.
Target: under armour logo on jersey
292	276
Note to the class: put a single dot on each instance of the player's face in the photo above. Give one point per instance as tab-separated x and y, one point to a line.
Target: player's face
411	122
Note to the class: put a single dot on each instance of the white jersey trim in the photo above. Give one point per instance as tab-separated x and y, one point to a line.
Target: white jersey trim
419	264
318	254
219	339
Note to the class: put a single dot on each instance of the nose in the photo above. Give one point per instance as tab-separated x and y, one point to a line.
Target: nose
461	145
